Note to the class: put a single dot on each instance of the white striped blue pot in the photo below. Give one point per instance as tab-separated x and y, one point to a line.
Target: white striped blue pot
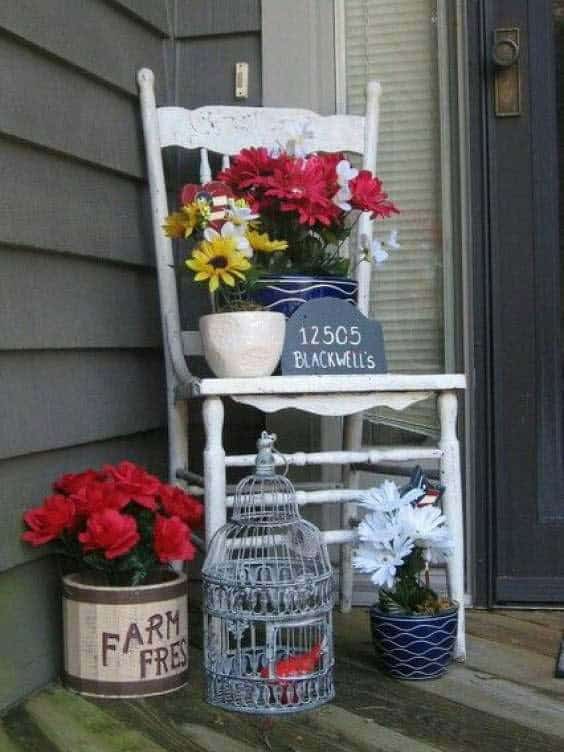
414	647
286	292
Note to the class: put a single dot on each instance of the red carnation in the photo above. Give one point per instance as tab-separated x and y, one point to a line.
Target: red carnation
110	531
50	520
177	503
73	482
135	482
97	496
367	195
172	540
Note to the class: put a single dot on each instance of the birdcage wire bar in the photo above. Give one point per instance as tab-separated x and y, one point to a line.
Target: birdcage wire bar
268	598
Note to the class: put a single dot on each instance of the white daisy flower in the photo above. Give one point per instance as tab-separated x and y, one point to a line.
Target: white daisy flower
382	562
239	213
387	497
393	241
345	172
423	524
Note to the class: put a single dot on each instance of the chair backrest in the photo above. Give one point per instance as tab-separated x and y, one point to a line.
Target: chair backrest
227	130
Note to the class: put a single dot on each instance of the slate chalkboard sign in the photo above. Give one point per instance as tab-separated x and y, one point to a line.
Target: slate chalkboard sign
332	337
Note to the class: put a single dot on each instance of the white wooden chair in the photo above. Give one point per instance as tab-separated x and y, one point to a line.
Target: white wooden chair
227	130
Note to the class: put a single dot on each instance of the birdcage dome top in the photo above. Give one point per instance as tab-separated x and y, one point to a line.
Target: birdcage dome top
267	544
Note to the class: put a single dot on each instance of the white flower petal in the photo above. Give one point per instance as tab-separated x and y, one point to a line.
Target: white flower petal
210	234
393	241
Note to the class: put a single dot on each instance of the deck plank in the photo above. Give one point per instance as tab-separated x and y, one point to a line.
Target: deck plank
493	625
518	665
72	723
6	743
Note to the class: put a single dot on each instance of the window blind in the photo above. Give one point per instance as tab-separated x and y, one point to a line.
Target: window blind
395	42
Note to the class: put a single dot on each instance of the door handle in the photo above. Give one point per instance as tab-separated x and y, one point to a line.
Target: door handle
506	57
505	52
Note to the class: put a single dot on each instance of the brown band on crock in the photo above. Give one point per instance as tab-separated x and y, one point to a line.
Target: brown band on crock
165	592
125	688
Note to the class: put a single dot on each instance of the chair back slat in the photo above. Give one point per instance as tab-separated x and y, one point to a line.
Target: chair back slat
205	169
227	130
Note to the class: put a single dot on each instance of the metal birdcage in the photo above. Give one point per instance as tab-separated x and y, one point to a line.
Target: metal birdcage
268	599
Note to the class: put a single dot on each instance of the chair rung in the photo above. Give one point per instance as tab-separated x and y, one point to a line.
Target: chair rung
315	497
370	456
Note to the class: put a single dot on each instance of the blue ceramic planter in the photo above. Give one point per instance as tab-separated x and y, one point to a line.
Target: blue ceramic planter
414	647
285	293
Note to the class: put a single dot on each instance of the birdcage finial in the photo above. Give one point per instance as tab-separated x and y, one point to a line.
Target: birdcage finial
265	462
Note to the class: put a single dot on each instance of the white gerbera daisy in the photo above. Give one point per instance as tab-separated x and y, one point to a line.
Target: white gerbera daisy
387	497
423	524
383	561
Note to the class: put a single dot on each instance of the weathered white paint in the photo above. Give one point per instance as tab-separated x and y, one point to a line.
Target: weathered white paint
295	385
342	403
452	506
177	411
227	130
214	466
372	456
352	438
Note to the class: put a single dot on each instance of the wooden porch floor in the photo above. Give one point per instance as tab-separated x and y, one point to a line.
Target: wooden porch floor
503	698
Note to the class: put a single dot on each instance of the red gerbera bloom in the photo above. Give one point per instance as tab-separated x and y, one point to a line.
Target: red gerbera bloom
367	195
249	168
327	164
300	187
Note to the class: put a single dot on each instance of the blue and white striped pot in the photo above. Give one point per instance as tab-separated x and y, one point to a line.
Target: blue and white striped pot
414	647
286	292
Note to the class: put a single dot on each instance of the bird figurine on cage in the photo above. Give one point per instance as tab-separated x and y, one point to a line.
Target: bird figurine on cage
268	599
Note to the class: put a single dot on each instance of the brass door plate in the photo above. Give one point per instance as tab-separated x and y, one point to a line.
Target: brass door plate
507	81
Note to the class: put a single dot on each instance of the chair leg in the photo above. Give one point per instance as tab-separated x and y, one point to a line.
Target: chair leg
452	505
352	439
177	439
214	467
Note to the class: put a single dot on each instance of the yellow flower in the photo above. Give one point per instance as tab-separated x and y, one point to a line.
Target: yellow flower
218	262
191	216
262	242
175	225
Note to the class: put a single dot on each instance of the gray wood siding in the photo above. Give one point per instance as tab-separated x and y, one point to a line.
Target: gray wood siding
81	372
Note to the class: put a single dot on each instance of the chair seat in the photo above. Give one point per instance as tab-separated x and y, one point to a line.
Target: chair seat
295	385
329	395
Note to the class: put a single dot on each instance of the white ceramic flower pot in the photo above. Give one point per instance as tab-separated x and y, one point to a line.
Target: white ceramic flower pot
244	344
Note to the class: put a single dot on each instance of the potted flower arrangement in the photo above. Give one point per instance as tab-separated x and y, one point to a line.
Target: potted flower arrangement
268	234
413	629
239	338
312	202
125	608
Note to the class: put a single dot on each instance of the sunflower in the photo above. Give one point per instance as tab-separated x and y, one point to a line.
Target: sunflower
262	242
218	261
